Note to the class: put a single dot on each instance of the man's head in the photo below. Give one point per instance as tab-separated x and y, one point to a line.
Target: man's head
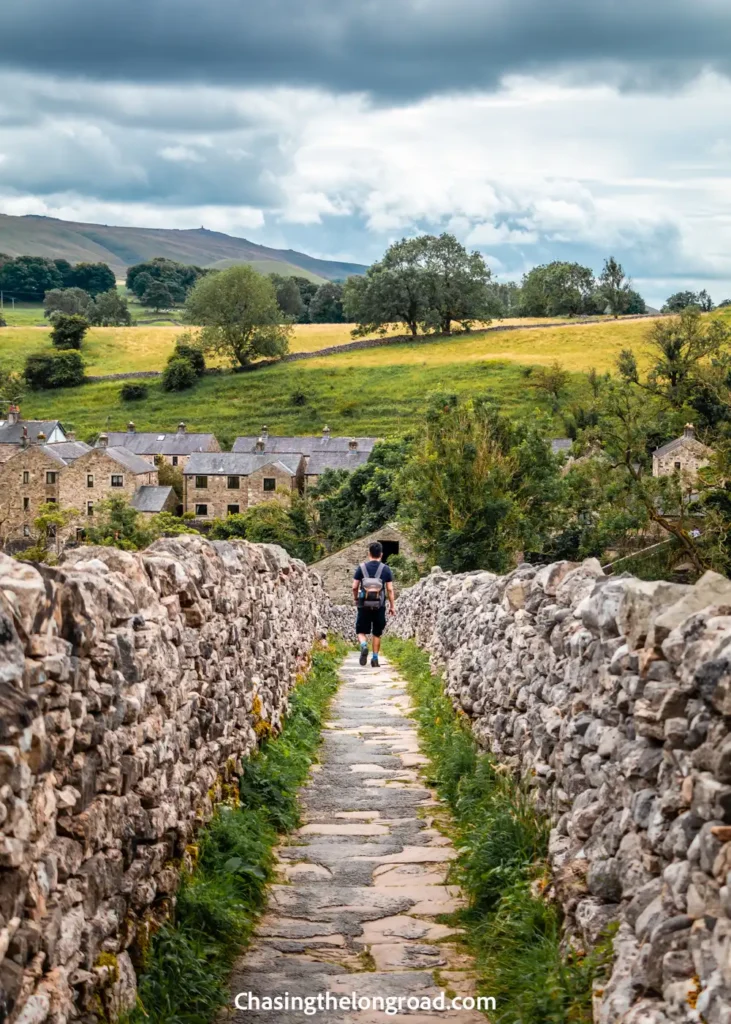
375	550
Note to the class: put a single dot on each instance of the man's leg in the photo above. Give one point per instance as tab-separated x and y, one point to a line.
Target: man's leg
379	624
362	628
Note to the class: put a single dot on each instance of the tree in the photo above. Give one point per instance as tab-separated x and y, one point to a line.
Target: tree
179	277
289	296
351	505
178	375
117	524
680	301
557	289
478	489
614	288
326	306
12	389
133	391
110	309
72	301
457	284
505	298
68	330
28	278
552	380
679	346
187	347
292	526
94	278
307	289
158	296
50	520
705	301
237	309
636	305
47	370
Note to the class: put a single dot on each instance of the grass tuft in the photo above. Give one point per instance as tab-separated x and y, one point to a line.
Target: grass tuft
514	935
184	976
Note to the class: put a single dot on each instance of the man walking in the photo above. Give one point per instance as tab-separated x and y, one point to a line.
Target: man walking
372	587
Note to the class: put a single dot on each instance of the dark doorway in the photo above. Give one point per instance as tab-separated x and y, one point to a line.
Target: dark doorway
390	547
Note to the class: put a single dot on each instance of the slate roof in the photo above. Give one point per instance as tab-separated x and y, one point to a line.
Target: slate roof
561	444
150	498
69	451
305	445
12	433
160	443
682	442
134	463
239	463
320	461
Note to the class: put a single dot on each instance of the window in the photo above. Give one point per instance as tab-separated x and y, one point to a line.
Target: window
201	510
90	508
677	467
234	483
270	483
80	533
201	482
232	510
117	480
26	530
50	476
26	504
175	460
51	501
89	479
158	460
26	476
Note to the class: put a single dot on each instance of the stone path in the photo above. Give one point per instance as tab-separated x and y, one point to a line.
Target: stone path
363	881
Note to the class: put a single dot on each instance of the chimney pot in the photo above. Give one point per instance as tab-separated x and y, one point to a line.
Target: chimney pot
326	431
103	440
181	427
24	438
41	437
13	414
71	435
131	427
689	431
353	444
260	444
265	431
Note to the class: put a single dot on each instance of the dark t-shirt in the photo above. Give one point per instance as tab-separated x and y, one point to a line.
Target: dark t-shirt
371	570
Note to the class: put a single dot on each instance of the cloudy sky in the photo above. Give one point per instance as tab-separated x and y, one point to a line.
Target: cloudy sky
533	129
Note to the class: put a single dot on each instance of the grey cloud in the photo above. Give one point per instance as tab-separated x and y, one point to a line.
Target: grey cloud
391	49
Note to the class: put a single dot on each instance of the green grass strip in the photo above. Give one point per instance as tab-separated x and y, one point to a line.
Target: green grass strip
184	977
514	935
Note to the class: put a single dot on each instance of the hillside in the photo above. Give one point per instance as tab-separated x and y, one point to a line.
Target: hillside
122	247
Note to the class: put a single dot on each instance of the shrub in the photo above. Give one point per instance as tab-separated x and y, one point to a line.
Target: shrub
64	369
178	375
68	330
298	397
133	392
186	349
3	322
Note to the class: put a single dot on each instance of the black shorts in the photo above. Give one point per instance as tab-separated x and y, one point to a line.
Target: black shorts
371	620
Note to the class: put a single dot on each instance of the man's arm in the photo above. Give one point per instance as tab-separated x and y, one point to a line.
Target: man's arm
356	588
391	598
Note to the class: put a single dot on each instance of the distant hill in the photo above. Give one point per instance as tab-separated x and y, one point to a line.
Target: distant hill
122	247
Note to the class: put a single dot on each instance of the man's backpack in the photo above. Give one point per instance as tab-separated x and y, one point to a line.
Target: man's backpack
372	587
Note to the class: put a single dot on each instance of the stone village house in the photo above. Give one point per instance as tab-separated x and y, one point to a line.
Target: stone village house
320	452
159	446
684	455
14	431
226	483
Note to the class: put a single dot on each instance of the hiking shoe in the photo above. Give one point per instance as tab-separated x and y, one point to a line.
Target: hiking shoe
374	661
363	653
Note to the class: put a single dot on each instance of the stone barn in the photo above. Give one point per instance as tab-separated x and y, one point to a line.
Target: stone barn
337	569
684	455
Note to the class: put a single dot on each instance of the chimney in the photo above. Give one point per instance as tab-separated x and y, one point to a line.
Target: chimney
326	432
689	431
260	444
41	437
24	438
70	435
353	445
103	441
13	414
181	427
265	431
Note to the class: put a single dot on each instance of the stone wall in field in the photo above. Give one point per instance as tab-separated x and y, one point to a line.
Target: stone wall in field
613	697
131	685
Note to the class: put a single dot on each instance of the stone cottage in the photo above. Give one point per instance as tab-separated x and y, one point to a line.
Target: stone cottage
157	446
337	569
217	485
103	472
320	452
15	432
684	455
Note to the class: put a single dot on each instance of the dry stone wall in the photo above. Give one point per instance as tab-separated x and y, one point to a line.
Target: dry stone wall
131	685
613	696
